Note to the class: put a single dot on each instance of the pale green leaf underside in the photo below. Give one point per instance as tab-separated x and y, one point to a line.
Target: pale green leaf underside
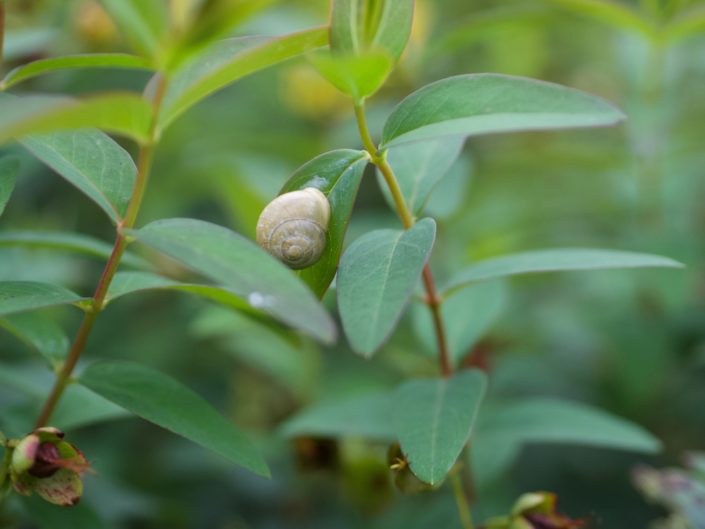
469	105
557	260
9	168
20	296
434	418
165	402
377	276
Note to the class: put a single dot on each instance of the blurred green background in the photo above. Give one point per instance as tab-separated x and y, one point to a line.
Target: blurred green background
632	343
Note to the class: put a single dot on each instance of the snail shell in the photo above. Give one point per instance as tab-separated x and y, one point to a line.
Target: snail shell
293	227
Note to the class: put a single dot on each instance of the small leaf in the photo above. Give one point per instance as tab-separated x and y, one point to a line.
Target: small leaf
39	332
358	76
467	316
143	22
609	12
9	168
121	113
227	61
367	416
470	105
72	62
434	418
20	296
557	260
377	276
419	168
91	161
337	174
163	401
360	25
243	268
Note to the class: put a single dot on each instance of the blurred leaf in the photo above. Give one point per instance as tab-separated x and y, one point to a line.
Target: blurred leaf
449	195
162	400
91	161
360	25
419	168
337	174
556	260
19	296
39	332
358	76
72	62
79	407
27	42
227	61
121	113
688	23
70	242
48	516
433	419
378	274
467	316
9	168
242	267
367	416
144	23
469	105
608	12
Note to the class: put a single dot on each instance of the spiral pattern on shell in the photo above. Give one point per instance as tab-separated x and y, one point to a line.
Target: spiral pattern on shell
293	227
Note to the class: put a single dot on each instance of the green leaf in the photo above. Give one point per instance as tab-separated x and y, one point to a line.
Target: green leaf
467	316
609	12
449	195
121	113
377	276
360	25
67	241
72	62
337	174
91	161
434	418
419	168
366	416
40	333
243	268
358	76
9	168
143	22
80	407
470	105
557	260
227	61
162	400
20	296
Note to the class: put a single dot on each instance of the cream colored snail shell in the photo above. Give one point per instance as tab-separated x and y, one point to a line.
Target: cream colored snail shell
293	227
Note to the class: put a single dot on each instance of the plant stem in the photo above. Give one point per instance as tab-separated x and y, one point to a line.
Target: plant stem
432	299
144	165
460	501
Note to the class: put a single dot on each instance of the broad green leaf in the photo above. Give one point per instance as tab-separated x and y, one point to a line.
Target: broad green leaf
337	174
419	168
358	76
360	25
227	61
556	260
378	274
609	12
72	62
467	315
470	105
165	402
433	419
67	241
121	113
9	168
244	268
20	296
367	416
39	332
144	23
91	161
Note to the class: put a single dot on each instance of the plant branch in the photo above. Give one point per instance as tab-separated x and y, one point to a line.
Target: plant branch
432	299
144	165
461	501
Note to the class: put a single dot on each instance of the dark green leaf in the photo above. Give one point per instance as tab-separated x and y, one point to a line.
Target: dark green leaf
9	168
377	276
165	402
20	296
470	105
39	332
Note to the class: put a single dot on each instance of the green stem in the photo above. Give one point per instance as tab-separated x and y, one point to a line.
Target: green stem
144	165
460	501
433	300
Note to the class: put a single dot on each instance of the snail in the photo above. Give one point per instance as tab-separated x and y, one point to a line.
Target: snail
293	227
